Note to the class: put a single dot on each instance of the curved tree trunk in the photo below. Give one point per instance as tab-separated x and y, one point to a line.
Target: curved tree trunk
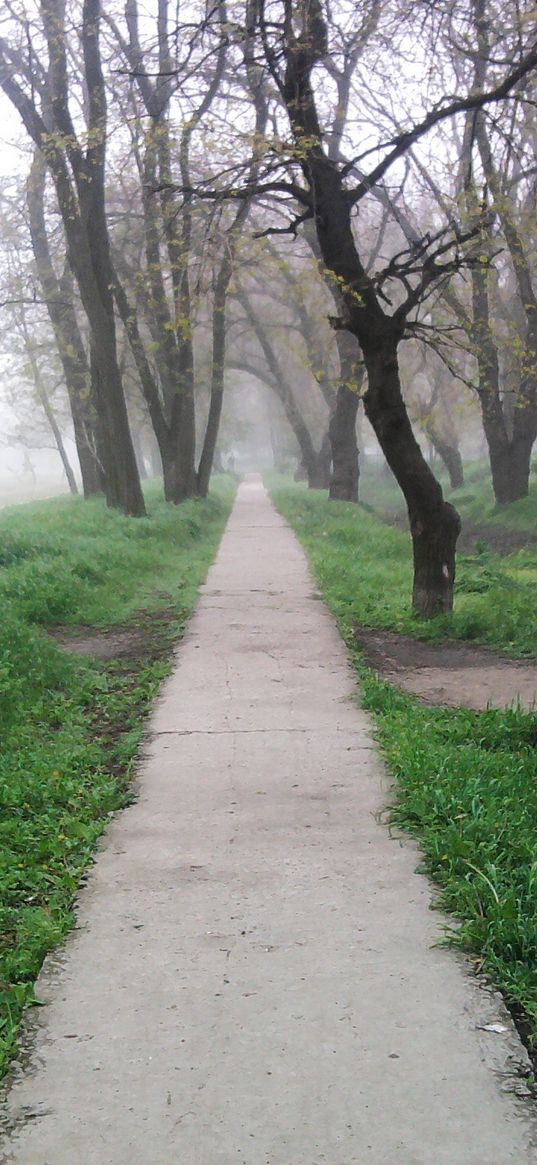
434	523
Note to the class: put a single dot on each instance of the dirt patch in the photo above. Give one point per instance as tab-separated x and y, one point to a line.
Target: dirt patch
475	534
147	637
106	644
500	540
454	675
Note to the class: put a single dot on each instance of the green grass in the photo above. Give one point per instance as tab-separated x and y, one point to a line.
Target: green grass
366	567
474	500
466	790
465	781
71	725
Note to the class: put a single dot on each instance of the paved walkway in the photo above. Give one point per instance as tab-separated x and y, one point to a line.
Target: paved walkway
252	980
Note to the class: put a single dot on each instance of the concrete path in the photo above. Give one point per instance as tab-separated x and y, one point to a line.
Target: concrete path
252	980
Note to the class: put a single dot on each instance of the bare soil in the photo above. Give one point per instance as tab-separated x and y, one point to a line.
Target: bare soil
499	539
447	674
146	638
454	675
110	643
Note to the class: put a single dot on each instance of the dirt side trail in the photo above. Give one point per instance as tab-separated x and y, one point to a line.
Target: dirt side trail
452	674
252	980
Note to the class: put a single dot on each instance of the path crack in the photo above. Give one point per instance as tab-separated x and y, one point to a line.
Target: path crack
251	731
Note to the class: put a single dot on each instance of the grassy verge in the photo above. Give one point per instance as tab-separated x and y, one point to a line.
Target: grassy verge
365	566
71	725
465	781
474	500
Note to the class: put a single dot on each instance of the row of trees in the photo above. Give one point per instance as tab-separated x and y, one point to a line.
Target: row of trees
201	188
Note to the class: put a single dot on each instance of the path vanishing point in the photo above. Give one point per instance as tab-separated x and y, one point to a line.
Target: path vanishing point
252	980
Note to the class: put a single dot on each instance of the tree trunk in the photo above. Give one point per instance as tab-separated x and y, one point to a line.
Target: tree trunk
153	455
172	419
509	455
345	464
177	484
343	483
122	483
179	471
434	523
60	306
217	376
324	463
510	463
433	544
219	351
449	454
318	466
71	480
138	452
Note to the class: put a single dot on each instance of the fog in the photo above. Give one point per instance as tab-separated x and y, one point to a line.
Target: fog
189	314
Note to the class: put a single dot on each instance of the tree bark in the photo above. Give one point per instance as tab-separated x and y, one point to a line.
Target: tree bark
319	473
345	474
434	523
139	452
58	296
510	460
509	451
165	409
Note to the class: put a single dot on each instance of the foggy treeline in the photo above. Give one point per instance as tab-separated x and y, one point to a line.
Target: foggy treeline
310	221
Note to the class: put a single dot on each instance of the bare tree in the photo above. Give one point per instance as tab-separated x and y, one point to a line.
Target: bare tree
42	97
491	166
58	296
295	46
